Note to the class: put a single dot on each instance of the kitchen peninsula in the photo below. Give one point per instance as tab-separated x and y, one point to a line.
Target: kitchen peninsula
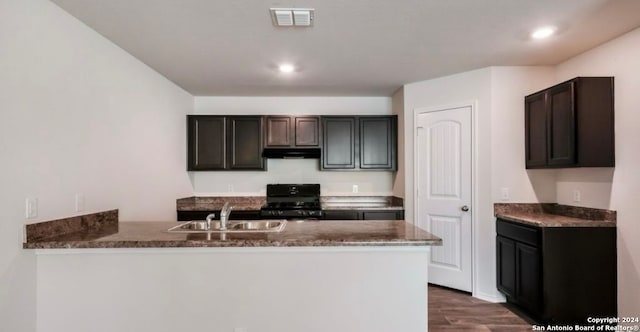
313	276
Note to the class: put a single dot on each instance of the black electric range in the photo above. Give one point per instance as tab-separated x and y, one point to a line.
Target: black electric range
292	201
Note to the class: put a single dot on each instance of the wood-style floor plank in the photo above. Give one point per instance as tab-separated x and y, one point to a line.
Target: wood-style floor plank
451	310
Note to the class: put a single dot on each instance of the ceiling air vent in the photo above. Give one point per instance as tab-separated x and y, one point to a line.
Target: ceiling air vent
289	17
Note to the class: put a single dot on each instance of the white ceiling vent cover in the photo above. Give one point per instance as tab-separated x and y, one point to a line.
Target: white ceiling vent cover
283	18
287	17
302	17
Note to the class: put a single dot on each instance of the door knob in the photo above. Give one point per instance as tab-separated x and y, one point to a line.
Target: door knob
464	208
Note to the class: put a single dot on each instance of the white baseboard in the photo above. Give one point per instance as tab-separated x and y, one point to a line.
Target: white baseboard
494	298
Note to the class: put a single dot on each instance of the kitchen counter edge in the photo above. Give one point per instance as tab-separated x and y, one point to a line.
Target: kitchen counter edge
554	215
296	234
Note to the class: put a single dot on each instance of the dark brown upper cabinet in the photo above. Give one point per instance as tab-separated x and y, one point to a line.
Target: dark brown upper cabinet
217	143
359	143
378	142
307	131
339	143
571	125
207	143
292	131
245	143
535	114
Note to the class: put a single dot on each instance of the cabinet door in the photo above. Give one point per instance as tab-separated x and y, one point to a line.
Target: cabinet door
528	276
341	215
535	116
206	143
245	143
380	215
202	215
506	265
278	131
339	142
193	215
595	132
561	136
377	143
307	131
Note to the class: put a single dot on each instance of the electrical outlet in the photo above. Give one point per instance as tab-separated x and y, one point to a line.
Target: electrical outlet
577	195
355	189
230	188
31	210
79	202
504	194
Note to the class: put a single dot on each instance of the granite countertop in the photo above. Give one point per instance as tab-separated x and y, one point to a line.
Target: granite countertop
554	215
361	203
214	203
254	203
107	232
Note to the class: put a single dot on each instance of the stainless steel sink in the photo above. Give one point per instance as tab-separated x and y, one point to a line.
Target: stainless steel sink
258	225
195	226
248	226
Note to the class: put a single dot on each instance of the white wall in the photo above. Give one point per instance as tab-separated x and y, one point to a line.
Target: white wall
292	171
619	58
474	87
497	93
509	86
219	289
78	115
397	102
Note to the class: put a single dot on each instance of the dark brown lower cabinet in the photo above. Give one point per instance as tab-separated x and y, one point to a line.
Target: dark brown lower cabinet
202	215
327	215
340	215
362	215
381	215
558	274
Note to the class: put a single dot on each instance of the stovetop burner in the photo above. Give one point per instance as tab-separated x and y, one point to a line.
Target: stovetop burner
291	205
292	201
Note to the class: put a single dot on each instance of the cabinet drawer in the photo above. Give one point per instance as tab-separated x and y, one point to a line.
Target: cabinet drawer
529	235
341	215
380	215
202	215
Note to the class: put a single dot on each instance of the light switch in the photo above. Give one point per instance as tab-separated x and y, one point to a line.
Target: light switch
577	195
79	202
504	194
31	208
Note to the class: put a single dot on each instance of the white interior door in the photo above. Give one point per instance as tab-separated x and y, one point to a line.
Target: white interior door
443	163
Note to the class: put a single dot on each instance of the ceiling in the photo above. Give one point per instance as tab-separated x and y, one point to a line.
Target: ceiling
355	48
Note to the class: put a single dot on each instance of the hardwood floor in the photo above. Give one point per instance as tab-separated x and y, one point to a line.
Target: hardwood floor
451	310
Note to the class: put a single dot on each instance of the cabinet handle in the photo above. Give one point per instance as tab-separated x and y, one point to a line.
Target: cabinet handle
464	208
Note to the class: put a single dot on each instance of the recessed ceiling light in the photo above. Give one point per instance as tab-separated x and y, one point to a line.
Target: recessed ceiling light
544	32
286	68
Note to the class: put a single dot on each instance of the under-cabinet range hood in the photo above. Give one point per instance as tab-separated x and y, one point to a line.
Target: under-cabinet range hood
289	153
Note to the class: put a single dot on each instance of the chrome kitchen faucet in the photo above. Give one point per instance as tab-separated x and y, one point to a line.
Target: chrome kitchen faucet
210	217
224	215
